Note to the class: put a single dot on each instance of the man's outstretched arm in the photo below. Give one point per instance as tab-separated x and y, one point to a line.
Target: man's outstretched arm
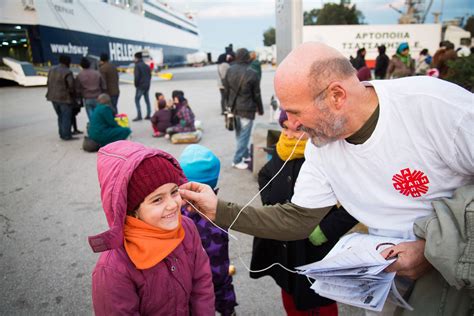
280	221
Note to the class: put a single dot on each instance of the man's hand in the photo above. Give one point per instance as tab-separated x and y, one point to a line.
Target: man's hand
202	197
411	261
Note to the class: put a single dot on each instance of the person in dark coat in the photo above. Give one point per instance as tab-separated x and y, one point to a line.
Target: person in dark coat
89	85
60	93
256	65
161	119
229	50
441	61
142	82
242	95
110	74
381	63
359	61
103	129
75	111
297	295
223	64
439	52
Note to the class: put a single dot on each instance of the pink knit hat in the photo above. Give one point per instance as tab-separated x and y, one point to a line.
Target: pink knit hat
150	174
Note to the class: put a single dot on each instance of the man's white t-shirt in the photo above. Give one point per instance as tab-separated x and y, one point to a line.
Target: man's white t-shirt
420	151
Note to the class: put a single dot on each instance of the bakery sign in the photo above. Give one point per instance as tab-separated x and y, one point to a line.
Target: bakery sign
349	38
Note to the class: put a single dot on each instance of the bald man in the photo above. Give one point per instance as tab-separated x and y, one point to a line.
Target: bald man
384	149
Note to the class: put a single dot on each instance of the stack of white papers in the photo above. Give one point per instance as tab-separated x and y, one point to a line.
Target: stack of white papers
352	273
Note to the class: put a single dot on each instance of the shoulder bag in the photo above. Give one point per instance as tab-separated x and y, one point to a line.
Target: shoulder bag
229	116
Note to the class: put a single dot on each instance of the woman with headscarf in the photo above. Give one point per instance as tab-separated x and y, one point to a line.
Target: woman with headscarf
103	129
401	64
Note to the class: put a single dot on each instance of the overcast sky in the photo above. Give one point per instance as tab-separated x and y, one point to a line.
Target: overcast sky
243	22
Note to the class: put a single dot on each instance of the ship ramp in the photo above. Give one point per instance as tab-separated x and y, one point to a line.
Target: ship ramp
22	72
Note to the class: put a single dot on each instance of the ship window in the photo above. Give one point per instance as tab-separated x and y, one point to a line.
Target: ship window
169	13
162	20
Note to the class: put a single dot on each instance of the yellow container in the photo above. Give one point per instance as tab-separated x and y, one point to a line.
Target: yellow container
122	120
166	75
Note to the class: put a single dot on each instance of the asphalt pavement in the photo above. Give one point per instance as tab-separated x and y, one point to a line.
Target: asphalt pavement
50	198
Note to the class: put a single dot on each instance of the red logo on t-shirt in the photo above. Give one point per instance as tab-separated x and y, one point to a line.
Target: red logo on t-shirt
411	183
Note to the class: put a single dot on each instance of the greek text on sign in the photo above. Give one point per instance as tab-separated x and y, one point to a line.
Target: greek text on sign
349	38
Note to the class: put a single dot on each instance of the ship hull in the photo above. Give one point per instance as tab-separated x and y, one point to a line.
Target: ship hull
55	41
84	28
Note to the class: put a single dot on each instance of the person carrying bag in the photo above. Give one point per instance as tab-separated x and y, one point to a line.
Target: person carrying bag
229	116
244	101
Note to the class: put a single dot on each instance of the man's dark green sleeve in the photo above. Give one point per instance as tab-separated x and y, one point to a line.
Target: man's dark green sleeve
280	221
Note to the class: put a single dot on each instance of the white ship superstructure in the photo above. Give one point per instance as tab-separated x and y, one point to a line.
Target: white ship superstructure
48	28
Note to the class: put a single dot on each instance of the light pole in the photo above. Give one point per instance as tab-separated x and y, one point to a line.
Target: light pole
289	26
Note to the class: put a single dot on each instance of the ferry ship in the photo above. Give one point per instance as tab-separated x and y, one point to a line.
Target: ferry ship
38	31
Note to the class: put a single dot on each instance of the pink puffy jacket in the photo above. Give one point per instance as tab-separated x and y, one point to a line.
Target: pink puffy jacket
181	284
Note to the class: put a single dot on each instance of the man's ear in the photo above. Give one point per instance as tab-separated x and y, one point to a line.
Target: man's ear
337	96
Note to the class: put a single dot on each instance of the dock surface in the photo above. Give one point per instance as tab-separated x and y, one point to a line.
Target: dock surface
50	198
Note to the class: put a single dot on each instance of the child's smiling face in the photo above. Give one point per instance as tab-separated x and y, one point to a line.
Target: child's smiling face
161	207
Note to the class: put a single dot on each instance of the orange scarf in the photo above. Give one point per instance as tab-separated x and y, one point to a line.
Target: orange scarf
147	245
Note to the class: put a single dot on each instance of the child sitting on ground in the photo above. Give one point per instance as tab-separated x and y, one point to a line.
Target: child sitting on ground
174	107
184	117
161	119
153	262
201	165
158	97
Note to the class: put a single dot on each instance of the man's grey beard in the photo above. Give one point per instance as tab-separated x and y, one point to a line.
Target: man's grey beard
335	128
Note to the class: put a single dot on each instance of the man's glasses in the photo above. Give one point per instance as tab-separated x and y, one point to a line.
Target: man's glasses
322	91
